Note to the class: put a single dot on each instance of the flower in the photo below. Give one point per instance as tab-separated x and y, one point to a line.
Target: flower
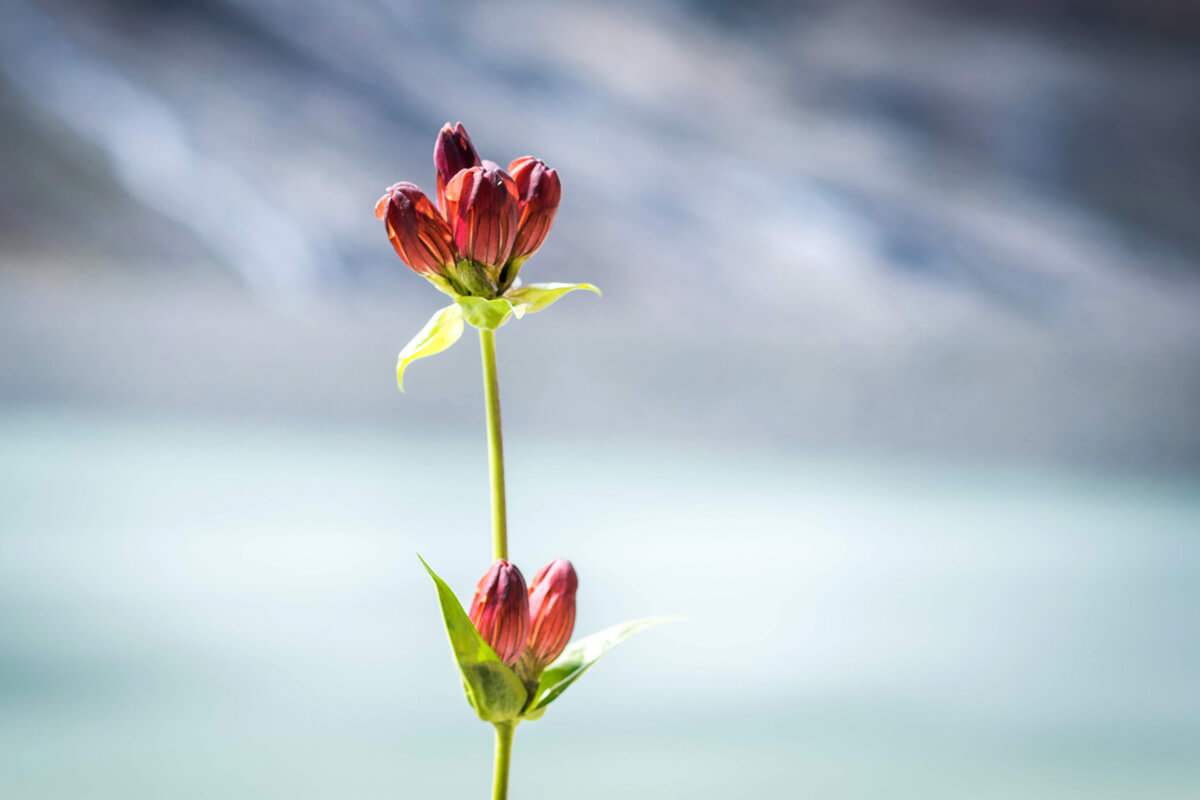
552	612
539	191
418	232
500	611
486	222
482	208
453	152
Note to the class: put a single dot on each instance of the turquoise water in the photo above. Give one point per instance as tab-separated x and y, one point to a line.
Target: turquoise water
216	609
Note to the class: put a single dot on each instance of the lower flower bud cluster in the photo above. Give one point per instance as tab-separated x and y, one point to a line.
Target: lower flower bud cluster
527	627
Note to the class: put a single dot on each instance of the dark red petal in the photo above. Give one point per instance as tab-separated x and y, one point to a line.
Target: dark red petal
482	209
552	610
540	192
500	611
418	233
453	152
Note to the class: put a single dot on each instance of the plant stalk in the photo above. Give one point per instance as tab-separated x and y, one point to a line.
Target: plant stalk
504	737
491	396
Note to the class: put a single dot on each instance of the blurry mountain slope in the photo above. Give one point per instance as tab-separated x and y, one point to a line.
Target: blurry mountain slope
854	224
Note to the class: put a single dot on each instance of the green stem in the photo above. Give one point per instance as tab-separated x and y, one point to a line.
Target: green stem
491	395
504	737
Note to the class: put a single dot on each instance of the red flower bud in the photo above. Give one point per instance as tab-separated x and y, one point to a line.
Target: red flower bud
452	153
552	609
421	237
539	191
500	611
481	206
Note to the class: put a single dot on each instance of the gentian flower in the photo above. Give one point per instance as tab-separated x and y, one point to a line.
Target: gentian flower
552	613
482	208
538	190
418	232
500	611
453	152
486	222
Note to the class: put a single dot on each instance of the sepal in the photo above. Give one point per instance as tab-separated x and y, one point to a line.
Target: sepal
489	314
475	279
492	689
540	295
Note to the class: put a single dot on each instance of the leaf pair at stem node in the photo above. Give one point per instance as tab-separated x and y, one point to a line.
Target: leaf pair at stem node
446	325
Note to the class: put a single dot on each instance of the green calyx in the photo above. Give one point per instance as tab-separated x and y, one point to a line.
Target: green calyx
494	689
477	279
446	325
489	314
470	278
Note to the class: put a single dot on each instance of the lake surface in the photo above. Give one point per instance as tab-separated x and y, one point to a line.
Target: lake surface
197	609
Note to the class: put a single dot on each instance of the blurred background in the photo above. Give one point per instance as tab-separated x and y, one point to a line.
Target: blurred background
894	392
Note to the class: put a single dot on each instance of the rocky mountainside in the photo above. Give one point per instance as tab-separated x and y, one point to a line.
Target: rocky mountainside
834	224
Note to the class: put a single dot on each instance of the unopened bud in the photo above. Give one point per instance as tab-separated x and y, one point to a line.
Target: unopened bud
452	153
538	192
417	231
500	611
481	207
552	610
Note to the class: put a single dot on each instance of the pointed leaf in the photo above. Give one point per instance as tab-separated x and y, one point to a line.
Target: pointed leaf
579	656
540	295
488	314
494	690
442	330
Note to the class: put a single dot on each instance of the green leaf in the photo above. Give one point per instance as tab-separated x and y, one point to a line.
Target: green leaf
539	295
578	657
493	690
442	330
489	314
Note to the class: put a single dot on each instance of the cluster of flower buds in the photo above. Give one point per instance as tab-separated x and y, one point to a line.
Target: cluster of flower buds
530	626
487	221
